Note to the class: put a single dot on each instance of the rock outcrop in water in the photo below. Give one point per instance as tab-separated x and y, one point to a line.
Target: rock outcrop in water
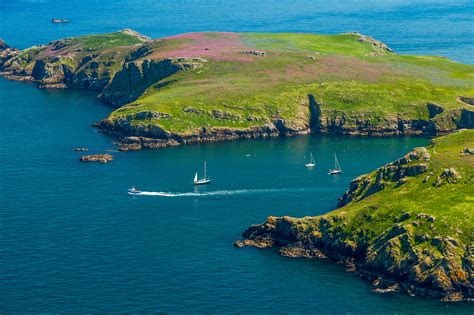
102	158
405	227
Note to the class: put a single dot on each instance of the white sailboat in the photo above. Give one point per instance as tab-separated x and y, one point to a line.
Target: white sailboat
202	181
311	163
337	167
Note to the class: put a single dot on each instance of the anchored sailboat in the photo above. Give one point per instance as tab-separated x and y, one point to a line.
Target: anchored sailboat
202	181
311	163
337	167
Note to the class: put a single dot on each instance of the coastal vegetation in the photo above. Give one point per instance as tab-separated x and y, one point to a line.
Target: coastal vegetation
407	226
216	86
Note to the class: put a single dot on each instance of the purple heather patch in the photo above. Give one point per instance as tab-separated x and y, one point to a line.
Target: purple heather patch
219	46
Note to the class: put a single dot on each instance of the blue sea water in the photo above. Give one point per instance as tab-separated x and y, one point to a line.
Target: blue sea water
73	241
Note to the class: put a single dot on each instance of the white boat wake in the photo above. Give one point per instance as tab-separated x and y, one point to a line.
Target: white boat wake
221	192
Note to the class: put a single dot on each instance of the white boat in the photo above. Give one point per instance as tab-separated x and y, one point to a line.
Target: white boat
133	191
311	163
202	181
337	167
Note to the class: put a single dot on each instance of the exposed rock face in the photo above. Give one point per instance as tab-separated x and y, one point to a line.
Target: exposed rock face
50	74
380	47
255	52
468	151
447	122
102	158
6	54
412	164
434	109
147	136
3	45
389	261
136	76
65	63
467	100
135	34
440	122
449	175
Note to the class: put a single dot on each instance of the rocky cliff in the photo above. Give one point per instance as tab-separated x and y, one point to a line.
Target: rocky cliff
406	227
86	62
437	121
137	76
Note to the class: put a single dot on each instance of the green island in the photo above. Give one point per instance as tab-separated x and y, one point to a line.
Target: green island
407	226
201	87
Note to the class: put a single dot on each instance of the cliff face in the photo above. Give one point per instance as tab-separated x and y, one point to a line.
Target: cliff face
87	62
412	164
406	227
137	76
438	122
152	136
392	261
313	118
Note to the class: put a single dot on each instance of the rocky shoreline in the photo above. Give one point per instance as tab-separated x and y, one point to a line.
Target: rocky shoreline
409	254
319	120
327	241
151	137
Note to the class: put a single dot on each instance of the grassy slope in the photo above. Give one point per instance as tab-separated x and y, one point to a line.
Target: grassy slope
451	204
340	71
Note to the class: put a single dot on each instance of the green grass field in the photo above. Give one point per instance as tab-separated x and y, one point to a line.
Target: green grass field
451	204
340	71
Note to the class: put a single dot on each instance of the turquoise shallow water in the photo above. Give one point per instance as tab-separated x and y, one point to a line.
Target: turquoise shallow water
72	240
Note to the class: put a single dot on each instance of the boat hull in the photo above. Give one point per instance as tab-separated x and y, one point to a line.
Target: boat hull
133	192
202	182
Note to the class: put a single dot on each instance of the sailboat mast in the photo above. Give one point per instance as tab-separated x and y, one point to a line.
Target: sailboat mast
205	176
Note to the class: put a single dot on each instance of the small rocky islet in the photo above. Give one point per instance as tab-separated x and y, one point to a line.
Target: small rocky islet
407	226
101	158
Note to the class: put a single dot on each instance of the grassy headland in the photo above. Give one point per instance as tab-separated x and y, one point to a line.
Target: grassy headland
407	226
215	86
